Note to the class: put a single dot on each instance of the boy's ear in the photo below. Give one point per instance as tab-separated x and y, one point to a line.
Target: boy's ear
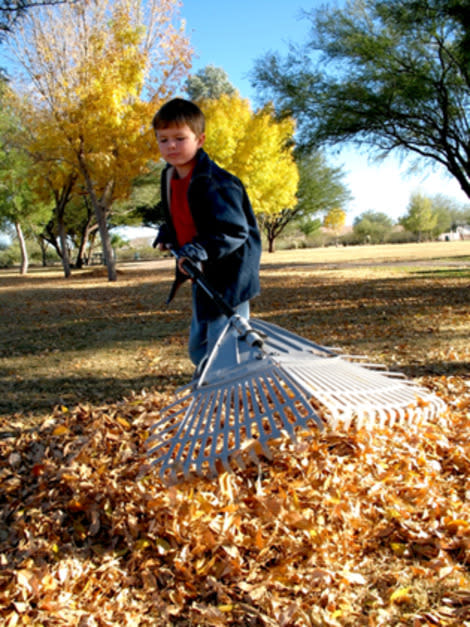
201	139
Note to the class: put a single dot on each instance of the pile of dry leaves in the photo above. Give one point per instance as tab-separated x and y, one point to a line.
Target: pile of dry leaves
354	528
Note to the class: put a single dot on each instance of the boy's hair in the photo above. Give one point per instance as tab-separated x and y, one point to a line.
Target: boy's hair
180	112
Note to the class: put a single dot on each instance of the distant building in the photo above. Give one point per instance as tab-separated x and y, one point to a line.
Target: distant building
460	233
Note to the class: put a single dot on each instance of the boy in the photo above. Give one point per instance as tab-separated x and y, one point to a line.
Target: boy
208	219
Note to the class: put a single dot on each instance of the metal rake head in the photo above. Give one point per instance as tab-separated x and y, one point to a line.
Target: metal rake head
249	395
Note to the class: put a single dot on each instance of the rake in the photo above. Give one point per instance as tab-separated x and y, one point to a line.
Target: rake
261	382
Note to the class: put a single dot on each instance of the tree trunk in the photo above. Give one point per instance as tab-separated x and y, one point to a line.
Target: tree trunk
49	236
108	253
81	249
61	200
271	236
24	252
43	246
100	213
87	230
63	246
91	246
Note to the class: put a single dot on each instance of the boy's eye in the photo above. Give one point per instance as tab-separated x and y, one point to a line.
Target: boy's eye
164	140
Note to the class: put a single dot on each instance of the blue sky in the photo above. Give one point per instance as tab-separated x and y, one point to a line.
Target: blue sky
233	36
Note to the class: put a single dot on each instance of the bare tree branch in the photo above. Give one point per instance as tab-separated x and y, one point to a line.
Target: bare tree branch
12	11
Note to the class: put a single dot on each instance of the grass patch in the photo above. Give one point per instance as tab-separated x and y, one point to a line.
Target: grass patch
87	340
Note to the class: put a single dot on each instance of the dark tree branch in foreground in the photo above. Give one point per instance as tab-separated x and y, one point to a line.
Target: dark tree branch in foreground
11	12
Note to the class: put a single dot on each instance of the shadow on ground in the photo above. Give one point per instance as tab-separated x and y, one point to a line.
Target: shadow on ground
51	330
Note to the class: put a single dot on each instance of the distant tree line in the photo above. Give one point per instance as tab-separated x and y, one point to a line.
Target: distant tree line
425	219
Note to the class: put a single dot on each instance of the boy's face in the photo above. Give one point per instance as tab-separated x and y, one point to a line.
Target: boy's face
178	146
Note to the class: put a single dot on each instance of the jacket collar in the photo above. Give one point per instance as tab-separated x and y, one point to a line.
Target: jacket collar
203	167
203	163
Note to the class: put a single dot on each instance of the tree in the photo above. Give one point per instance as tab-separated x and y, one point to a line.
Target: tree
393	75
373	227
320	186
15	198
209	83
446	210
420	218
335	220
461	217
98	71
320	189
259	150
143	205
18	203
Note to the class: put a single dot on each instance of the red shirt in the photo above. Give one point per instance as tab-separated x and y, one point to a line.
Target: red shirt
180	212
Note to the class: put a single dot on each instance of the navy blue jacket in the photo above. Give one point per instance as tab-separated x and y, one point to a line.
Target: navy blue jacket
228	241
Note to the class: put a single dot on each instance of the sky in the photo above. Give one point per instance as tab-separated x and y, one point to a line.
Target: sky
233	35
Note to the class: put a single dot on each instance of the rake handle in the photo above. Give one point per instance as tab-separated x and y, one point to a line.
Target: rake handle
191	268
243	328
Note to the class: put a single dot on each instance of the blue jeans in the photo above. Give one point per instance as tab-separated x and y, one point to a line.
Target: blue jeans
203	334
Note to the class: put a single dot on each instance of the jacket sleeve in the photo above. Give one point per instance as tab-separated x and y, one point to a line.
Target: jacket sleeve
166	233
163	236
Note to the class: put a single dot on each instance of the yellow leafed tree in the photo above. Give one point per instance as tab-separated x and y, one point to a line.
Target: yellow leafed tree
257	149
334	220
98	71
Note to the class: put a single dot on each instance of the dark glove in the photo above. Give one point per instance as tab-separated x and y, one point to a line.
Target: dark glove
195	252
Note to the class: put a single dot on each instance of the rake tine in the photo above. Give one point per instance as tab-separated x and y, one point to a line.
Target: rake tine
287	342
177	445
207	400
230	409
204	437
236	416
168	418
301	397
249	419
239	400
160	436
287	426
285	423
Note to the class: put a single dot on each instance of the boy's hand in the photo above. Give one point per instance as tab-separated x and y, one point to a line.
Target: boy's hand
194	266
180	262
192	252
